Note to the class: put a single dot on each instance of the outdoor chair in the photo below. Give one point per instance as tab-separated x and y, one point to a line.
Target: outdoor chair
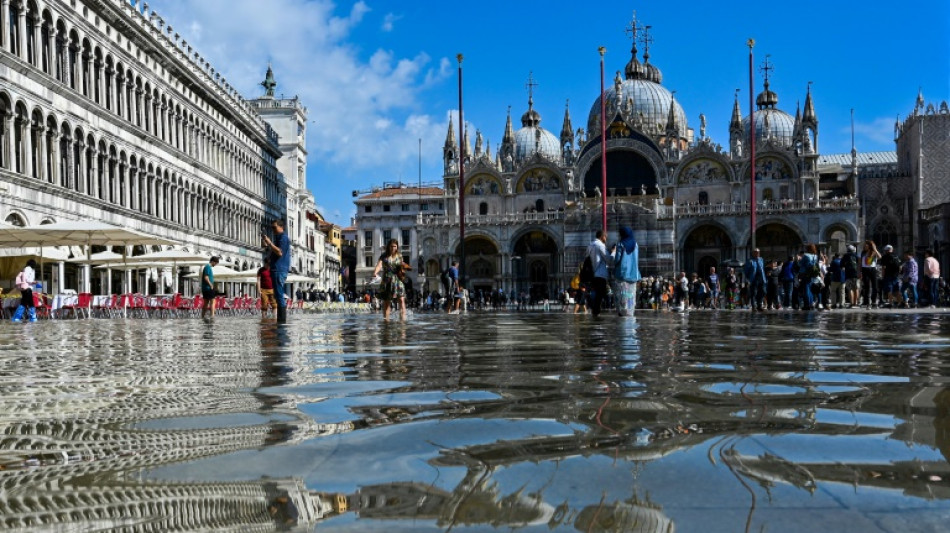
82	306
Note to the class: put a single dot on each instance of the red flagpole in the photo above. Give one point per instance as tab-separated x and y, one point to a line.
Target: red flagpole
461	178
751	43
603	144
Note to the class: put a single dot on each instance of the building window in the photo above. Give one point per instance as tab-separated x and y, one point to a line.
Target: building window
423	207
386	208
368	261
703	198
387	236
405	207
441	206
368	209
406	238
368	238
483	208
539	206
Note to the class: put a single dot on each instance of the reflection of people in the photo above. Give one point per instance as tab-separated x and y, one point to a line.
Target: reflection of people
207	287
24	282
393	270
283	510
626	271
279	262
265	287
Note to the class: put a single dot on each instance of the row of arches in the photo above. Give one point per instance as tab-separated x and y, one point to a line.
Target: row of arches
38	145
76	60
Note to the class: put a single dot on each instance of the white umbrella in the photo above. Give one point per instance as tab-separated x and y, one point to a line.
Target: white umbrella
107	256
180	257
218	270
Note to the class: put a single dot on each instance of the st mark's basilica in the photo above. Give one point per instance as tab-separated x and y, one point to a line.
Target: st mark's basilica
532	208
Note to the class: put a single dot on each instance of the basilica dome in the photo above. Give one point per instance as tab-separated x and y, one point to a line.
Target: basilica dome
533	138
771	123
640	99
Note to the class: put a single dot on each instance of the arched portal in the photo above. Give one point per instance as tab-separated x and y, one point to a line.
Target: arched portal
626	169
535	259
777	241
480	271
706	246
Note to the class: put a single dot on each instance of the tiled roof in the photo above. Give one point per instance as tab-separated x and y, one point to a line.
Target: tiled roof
864	158
403	191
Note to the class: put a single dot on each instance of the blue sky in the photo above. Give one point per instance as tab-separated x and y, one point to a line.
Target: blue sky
377	76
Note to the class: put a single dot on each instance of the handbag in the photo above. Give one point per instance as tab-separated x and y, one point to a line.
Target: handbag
586	272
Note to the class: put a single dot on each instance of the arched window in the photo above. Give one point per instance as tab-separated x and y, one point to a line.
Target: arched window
539	206
15	220
767	194
483	208
703	198
885	233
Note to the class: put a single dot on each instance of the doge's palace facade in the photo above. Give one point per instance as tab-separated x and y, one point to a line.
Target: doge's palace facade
106	113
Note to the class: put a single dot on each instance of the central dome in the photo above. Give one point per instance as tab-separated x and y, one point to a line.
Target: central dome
643	104
771	123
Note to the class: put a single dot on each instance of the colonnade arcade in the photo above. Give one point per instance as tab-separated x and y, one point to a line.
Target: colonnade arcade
67	54
40	146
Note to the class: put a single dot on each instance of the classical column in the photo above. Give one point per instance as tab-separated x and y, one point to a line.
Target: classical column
89	183
9	151
26	135
60	276
40	149
123	184
4	23
52	138
21	32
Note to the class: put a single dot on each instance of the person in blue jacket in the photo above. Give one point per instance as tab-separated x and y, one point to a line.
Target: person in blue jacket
626	261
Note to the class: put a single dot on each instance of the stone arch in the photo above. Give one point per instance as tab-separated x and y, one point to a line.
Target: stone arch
631	163
16	218
778	239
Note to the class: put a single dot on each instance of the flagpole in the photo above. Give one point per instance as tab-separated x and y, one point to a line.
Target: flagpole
461	178
751	43
603	144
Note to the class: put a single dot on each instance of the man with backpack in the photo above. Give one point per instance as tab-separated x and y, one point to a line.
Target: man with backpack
837	279
890	287
849	264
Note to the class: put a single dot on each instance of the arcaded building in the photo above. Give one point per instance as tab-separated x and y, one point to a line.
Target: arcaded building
107	113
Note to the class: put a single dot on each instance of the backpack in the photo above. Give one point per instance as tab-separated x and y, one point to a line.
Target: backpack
587	270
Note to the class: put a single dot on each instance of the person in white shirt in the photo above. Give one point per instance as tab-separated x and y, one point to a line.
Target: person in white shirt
24	281
599	258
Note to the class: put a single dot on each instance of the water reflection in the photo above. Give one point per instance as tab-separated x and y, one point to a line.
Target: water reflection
529	422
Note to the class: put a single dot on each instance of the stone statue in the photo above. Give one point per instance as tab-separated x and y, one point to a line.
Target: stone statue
702	126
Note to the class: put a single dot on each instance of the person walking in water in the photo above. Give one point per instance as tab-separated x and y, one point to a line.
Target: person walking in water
599	258
279	261
393	270
24	281
626	271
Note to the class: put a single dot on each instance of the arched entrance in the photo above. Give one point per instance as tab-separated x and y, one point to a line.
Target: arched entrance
777	241
535	259
706	246
481	259
626	169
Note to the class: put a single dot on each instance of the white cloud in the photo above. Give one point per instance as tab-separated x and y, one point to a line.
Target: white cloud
364	113
880	131
388	21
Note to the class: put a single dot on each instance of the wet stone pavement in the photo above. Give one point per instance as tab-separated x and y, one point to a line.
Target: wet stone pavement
710	422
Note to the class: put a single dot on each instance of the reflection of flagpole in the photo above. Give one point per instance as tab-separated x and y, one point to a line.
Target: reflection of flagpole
751	43
603	144
461	178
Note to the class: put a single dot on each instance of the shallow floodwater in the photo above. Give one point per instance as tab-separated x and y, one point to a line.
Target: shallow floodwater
710	422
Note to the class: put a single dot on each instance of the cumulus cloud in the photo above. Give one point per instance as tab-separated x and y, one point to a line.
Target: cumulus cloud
364	106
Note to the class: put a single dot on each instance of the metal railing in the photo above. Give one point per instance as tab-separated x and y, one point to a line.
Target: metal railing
546	217
767	207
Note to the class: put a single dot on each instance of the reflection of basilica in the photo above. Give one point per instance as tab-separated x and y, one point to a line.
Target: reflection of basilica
686	196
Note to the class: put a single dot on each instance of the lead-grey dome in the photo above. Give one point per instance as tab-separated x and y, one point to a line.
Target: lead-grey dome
643	104
533	138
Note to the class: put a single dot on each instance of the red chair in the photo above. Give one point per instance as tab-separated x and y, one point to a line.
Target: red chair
83	305
41	303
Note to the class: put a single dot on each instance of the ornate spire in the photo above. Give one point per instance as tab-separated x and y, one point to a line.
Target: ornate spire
767	99
466	145
509	136
919	107
736	123
809	118
531	118
672	129
450	136
567	130
269	83
634	68
797	129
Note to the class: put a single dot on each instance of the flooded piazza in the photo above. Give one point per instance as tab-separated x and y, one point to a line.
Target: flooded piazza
712	422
